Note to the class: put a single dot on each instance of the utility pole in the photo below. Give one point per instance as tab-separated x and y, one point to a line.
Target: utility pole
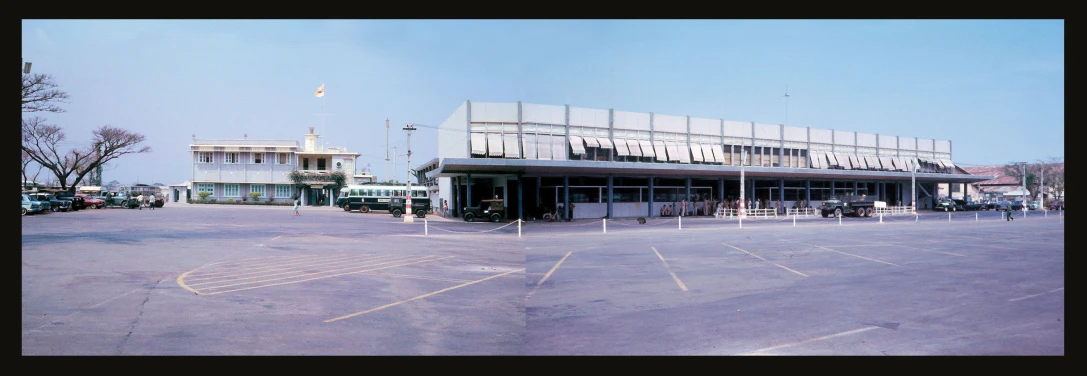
388	174
409	217
913	185
743	161
392	177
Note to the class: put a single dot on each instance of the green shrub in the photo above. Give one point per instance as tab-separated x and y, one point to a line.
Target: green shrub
203	195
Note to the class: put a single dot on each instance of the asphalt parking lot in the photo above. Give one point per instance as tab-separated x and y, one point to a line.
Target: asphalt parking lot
234	280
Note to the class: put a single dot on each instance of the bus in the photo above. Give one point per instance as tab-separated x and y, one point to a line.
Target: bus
369	197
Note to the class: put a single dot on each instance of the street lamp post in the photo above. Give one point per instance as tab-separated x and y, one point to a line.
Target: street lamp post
913	186
743	160
409	217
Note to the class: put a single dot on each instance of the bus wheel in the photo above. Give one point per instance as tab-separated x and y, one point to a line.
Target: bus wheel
396	213
364	209
420	213
346	207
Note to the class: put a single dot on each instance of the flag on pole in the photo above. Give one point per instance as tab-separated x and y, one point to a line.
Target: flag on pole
320	91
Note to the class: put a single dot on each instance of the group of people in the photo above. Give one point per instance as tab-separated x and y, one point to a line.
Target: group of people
148	201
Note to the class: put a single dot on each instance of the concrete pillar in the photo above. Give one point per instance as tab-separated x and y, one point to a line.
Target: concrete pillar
610	195
520	200
468	191
651	196
566	196
781	195
807	192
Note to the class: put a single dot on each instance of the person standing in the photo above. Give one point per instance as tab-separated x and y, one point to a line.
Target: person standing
151	202
296	202
139	201
571	212
1008	209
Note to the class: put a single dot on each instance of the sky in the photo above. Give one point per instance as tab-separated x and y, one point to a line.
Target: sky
994	88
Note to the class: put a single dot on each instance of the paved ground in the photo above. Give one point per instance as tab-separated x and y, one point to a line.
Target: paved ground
234	280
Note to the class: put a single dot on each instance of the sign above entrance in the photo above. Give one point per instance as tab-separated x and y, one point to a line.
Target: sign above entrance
316	186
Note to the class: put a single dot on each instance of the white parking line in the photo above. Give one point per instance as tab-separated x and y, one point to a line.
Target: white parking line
763	350
547	275
1031	296
680	283
771	262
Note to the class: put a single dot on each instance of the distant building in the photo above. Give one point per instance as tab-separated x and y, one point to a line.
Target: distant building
1001	186
229	169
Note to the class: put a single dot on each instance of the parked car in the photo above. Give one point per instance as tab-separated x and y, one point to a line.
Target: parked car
122	200
1056	205
946	204
1012	205
78	203
1034	205
55	204
32	206
968	205
491	209
92	201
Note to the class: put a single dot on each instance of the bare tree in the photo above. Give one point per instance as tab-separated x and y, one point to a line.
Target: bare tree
1054	176
41	94
40	142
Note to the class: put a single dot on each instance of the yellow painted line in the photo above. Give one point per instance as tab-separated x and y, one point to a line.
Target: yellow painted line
322	277
849	254
429	278
268	271
1031	296
760	258
680	283
547	275
927	250
855	331
421	296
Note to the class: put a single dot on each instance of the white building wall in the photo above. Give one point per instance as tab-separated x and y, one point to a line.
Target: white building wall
822	136
924	144
887	142
767	131
796	134
844	138
494	112
705	126
588	117
737	129
669	123
943	146
543	114
631	120
453	134
866	140
907	143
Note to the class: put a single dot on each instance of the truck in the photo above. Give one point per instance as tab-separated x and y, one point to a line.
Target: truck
850	205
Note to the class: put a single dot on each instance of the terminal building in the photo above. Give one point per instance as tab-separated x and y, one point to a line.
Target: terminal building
629	164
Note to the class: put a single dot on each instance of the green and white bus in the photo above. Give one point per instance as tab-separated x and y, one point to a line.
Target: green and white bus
369	197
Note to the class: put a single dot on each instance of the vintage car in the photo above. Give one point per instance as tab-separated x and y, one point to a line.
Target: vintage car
121	199
78	203
491	209
419	207
55	204
946	204
32	206
1056	205
92	201
968	205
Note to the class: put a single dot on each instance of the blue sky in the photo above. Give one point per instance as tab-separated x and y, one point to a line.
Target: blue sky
995	88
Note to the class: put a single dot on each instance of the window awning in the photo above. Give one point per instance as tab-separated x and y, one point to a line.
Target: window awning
621	148
647	148
576	145
940	162
684	153
815	160
886	163
511	148
632	146
832	159
605	143
696	152
543	145
707	153
718	155
590	142
947	162
479	143
873	162
673	151
528	141
899	164
660	150
494	144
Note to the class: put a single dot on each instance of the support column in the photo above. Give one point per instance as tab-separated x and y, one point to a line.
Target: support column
807	192
538	183
781	196
651	196
752	190
855	187
456	197
566	197
468	191
720	189
520	200
687	196
610	195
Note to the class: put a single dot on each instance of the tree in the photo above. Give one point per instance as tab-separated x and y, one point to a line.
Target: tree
1053	176
41	140
41	94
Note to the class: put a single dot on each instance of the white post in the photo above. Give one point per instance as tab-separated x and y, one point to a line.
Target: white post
605	222
426	228
949	216
881	217
518	227
680	222
840	220
794	220
975	217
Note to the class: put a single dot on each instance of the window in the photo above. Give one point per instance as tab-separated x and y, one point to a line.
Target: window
305	163
282	190
320	164
205	157
259	188
231	190
206	187
258	158
282	158
230	157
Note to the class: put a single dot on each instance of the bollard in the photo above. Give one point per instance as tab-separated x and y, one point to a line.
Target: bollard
880	217
840	220
605	222
426	229
794	220
681	222
518	227
741	222
975	217
949	216
915	217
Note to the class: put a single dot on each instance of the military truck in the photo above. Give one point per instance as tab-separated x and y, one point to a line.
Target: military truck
419	207
850	205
